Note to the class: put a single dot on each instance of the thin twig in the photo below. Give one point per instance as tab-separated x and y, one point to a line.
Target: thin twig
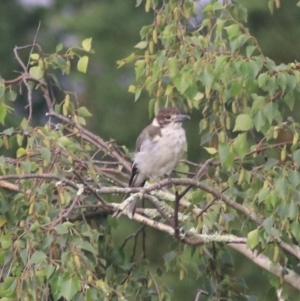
199	293
156	286
34	42
95	140
40	176
178	196
89	188
131	236
64	215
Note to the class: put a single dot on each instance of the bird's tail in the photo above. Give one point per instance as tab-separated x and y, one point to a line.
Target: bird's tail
135	181
131	207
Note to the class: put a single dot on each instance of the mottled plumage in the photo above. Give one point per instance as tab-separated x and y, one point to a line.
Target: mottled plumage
159	147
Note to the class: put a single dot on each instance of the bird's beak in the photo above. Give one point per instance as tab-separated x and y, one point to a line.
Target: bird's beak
181	118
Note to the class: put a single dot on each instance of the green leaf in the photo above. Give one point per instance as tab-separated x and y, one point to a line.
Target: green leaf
49	270
262	79
7	288
255	67
211	150
206	78
271	6
8	131
35	226
223	151
36	72
198	96
262	194
59	47
240	145
253	239
69	288
216	6
281	186
64	141
258	103
26	166
243	122
131	89
3	112
5	241
46	154
61	229
259	120
138	3
87	44
181	83
141	45
34	56
139	68
294	178
288	210
238	42
11	95
235	87
249	50
84	112
268	224
2	91
84	245
232	30
206	137
137	93
296	156
21	152
172	66
169	256
270	163
282	80
82	64
225	156
295	229
37	257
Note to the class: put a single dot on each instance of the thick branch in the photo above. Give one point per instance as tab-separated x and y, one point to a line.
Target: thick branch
237	243
292	249
263	261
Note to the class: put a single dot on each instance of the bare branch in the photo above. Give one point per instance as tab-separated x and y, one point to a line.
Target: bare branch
40	176
90	188
263	261
199	293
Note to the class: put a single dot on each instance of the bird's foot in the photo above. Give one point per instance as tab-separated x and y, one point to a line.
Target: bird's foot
168	177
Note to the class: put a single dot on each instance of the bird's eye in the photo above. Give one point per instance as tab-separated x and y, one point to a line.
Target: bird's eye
168	117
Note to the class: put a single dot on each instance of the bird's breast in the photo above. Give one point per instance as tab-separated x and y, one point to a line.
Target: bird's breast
159	156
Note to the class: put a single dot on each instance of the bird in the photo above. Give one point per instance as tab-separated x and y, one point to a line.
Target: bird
159	148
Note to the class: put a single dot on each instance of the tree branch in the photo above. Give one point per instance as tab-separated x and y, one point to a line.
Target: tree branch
263	261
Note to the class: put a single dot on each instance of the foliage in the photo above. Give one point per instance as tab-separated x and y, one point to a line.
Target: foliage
59	192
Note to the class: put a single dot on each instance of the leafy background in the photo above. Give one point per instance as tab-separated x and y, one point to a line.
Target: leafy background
114	27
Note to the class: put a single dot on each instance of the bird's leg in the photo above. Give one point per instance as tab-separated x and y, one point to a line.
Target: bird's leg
170	180
168	177
143	192
156	181
176	210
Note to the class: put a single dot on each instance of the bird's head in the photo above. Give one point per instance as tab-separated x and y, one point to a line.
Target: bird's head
169	117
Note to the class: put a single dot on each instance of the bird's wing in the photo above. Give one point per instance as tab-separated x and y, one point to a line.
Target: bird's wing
152	133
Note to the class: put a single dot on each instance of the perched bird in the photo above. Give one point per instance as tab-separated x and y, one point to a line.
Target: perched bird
159	147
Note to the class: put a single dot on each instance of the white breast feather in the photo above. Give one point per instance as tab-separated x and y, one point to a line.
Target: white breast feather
159	157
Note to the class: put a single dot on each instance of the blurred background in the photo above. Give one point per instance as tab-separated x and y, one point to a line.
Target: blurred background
114	26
